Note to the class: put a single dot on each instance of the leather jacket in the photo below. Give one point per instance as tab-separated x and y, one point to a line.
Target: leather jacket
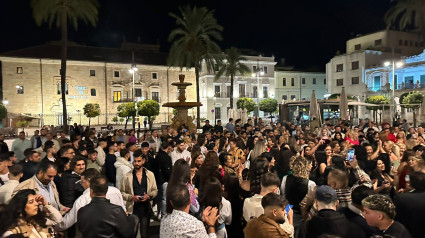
100	218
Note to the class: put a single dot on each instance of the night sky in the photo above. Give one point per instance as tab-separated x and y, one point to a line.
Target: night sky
307	33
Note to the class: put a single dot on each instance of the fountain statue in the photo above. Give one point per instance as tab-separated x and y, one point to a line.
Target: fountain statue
182	118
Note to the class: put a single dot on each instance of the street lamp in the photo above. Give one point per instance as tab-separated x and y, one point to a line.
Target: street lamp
393	64
215	113
133	71
258	72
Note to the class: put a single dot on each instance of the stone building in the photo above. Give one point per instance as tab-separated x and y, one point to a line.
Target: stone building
30	81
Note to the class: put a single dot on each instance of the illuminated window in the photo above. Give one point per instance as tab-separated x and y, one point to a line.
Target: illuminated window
117	96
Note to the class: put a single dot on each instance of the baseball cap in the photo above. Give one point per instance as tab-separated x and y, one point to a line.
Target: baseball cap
326	194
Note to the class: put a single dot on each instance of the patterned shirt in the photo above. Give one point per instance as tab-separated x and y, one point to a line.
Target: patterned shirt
180	224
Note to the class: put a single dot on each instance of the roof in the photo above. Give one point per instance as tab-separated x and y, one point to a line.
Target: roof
89	53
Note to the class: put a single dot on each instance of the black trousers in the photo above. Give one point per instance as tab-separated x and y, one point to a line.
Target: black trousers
143	212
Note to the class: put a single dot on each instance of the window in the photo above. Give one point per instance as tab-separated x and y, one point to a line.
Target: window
19	70
138	92
292	82
254	69
265	92
358	47
354	65
154	75
292	97
339	67
378	42
355	80
228	91
314	80
217	90
265	70
303	80
217	111
284	82
339	82
400	42
241	90
155	96
116	73
285	97
59	89
117	96
93	92
406	43
254	91
20	89
324	81
92	72
216	68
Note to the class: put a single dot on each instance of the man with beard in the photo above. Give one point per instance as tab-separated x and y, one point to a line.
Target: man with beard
138	190
268	223
181	153
71	187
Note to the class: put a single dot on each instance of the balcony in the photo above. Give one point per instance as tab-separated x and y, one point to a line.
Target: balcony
403	86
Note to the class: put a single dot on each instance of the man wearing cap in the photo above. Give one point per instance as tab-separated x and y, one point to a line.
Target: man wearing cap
328	220
379	212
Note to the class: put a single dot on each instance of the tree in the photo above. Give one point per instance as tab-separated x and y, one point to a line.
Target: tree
148	108
62	11
115	119
22	124
91	110
127	110
407	14
379	100
247	103
193	42
413	101
3	112
231	66
268	105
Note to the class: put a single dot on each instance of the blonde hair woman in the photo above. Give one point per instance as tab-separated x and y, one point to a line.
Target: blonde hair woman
417	164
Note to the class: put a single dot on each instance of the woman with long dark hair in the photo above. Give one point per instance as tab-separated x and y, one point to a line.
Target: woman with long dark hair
29	214
259	167
210	165
181	175
231	193
213	196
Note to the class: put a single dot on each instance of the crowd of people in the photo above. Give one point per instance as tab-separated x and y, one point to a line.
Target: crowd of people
247	179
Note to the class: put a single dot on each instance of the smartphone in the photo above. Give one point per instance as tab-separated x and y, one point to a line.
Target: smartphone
407	178
289	206
350	155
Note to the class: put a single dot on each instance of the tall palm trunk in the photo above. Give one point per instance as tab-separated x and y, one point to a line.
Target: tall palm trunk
198	98
64	54
231	91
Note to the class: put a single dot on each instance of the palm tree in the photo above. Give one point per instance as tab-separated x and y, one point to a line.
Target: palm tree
407	13
62	11
231	66
193	42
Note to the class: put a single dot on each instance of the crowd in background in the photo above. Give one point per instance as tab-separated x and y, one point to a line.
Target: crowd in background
251	179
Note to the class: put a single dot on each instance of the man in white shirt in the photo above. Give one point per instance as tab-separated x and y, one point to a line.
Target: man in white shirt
180	153
101	155
20	145
252	207
15	173
155	140
180	224
4	169
113	194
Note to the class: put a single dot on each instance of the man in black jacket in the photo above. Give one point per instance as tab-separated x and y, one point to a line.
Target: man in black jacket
354	210
161	167
410	207
71	187
100	218
328	220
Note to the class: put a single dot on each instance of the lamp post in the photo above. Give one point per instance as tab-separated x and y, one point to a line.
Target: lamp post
5	103
79	115
215	113
133	71
393	66
257	74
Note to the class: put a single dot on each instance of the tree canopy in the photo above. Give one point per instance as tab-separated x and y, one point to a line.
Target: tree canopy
268	105
149	109
377	99
3	112
413	100
91	110
247	103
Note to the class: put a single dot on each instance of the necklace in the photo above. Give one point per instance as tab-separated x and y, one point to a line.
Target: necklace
388	226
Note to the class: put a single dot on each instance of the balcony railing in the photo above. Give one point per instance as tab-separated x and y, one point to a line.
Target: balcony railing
402	86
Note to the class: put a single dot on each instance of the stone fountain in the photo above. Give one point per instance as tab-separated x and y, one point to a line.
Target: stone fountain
182	118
